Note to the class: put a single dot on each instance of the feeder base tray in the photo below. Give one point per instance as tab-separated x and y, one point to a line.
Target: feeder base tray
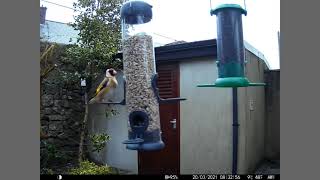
232	82
133	141
152	146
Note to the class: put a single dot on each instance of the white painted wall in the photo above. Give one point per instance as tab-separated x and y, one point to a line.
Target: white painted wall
115	154
206	120
252	117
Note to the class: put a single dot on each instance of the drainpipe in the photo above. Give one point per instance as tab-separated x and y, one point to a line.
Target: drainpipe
235	125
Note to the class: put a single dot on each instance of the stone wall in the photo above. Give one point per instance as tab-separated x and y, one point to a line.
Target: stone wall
61	114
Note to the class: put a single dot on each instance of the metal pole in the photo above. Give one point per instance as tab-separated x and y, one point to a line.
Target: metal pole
235	125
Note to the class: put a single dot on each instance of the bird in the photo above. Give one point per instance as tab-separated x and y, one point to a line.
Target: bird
106	88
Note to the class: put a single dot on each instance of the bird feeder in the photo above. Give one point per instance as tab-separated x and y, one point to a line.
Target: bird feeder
230	47
142	95
144	131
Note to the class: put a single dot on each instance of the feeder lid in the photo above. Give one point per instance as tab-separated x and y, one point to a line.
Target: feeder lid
136	12
224	6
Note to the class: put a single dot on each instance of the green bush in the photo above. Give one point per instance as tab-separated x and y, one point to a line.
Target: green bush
99	141
51	155
89	168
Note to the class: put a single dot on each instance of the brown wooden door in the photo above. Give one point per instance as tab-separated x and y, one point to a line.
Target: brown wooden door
167	160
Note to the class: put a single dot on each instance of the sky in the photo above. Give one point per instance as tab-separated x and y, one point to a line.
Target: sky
190	20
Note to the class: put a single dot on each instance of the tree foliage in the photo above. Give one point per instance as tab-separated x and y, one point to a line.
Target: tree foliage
99	38
46	63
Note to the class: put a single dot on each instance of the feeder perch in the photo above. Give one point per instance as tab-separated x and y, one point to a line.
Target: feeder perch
230	47
142	96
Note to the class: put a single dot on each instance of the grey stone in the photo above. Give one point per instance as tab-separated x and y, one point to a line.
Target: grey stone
69	93
77	96
77	107
44	128
62	112
50	90
56	110
62	135
56	118
56	126
50	140
47	100
44	123
45	118
68	113
69	97
47	111
57	96
66	104
41	115
52	134
76	124
58	103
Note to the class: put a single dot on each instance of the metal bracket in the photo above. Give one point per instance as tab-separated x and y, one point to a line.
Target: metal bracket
123	102
156	92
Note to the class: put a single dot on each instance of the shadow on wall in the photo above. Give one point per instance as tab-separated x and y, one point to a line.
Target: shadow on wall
273	115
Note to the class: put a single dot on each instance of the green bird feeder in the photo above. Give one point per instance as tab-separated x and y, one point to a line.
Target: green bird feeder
230	47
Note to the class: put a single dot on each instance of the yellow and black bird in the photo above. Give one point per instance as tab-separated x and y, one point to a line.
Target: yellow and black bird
106	88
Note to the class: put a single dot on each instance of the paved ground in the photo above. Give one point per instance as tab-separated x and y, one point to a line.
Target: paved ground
269	167
124	172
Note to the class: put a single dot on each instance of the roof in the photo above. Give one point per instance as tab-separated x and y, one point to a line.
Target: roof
188	50
58	32
197	49
256	52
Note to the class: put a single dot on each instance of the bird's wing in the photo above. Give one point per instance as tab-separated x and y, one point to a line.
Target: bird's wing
102	85
110	85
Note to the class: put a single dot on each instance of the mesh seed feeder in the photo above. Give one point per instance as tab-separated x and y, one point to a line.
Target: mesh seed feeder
142	95
144	131
230	47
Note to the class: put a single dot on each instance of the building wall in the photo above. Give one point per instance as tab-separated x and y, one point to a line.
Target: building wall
58	32
272	129
115	154
251	108
206	120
